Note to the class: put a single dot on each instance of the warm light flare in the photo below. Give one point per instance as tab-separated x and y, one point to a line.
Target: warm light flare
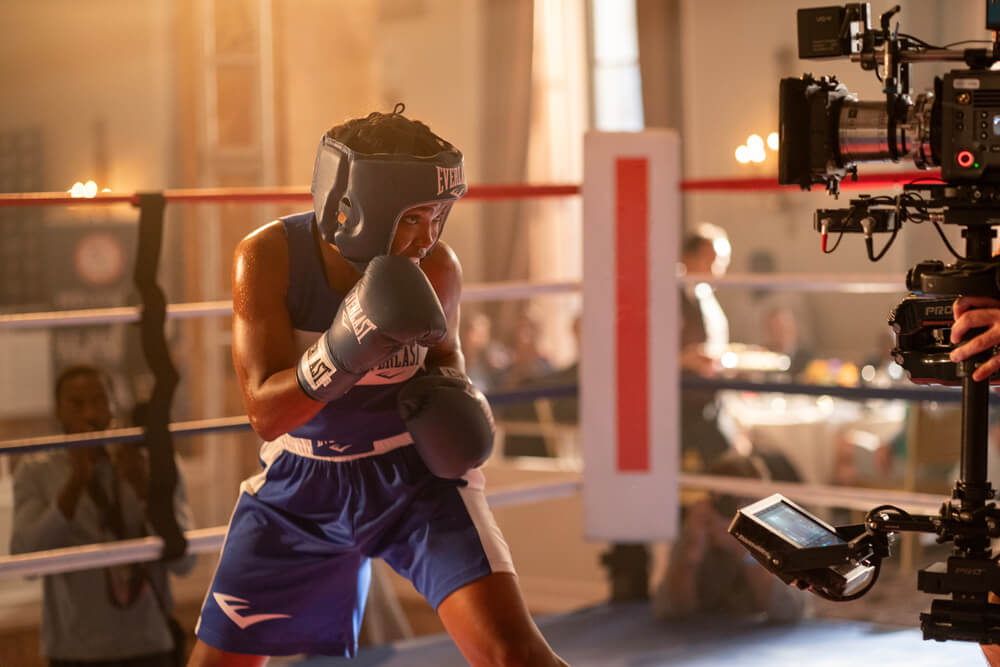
86	190
755	149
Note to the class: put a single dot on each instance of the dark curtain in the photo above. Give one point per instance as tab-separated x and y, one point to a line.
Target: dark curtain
659	32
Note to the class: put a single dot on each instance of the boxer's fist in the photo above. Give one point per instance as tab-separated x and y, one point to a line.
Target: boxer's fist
450	421
392	305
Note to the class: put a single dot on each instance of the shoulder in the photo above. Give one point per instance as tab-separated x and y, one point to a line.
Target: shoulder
444	272
264	250
442	263
267	238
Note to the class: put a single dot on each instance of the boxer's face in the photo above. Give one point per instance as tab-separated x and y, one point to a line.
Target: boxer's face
83	405
418	230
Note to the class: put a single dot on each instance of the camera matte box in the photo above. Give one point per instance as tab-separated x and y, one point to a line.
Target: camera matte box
820	32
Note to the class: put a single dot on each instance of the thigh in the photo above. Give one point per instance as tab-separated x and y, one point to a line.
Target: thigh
446	539
204	655
490	623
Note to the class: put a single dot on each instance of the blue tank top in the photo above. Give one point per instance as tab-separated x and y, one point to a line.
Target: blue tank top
368	411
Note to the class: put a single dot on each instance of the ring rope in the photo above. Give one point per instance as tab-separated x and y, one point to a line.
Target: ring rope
477	292
209	540
234	423
855	283
515	289
174	545
272	195
120	435
241	422
484	192
853	393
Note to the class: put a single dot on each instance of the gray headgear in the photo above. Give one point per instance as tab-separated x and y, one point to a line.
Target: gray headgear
359	198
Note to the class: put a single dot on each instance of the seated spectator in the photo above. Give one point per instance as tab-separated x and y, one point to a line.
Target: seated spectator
529	368
781	335
83	495
710	572
527	362
485	358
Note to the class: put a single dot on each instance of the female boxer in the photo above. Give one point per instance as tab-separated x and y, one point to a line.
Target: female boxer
345	344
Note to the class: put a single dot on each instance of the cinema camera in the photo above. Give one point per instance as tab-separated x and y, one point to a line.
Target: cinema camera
825	132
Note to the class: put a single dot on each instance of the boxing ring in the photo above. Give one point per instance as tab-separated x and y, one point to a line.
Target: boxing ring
622	633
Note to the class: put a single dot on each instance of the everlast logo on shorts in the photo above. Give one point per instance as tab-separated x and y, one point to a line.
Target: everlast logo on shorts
449	177
355	317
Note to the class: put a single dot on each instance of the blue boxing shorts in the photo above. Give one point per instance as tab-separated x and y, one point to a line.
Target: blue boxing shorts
295	566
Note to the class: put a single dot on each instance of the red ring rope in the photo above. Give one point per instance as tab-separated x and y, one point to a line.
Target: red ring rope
487	192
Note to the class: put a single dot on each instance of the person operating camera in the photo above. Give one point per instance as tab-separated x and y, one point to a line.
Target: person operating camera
978	312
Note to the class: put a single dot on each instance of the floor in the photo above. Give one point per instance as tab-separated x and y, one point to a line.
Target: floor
881	628
627	635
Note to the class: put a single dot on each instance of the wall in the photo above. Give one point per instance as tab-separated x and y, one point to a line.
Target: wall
66	65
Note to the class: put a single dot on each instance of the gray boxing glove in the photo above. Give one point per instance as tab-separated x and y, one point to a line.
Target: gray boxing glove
392	305
449	419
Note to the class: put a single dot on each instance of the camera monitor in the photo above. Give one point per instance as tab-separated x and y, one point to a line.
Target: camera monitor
799	547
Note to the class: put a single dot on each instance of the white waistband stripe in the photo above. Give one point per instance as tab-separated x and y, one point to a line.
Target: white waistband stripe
305	447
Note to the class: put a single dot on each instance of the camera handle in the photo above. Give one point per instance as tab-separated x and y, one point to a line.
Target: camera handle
966	518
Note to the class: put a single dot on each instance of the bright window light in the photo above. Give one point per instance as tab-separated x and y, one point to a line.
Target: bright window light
617	81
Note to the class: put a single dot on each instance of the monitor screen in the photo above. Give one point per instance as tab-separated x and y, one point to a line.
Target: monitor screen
797	527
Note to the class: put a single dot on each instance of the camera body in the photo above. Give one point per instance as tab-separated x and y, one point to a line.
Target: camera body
825	131
969	126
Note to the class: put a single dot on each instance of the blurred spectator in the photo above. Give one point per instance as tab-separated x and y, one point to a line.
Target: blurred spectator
782	335
528	369
566	409
82	495
704	336
764	300
710	572
485	358
527	362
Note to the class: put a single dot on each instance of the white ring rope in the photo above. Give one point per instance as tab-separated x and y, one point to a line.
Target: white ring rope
120	434
69	318
800	282
209	540
858	283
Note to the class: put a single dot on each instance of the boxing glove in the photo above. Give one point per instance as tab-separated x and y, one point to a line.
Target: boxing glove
449	419
392	305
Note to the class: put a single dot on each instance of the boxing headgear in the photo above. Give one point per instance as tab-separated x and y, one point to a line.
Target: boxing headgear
359	198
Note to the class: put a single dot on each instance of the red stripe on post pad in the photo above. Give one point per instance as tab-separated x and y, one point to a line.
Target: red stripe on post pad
632	312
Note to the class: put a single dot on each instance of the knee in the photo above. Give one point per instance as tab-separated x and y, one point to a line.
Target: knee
203	655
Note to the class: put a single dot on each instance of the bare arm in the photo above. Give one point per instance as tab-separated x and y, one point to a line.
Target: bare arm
42	518
264	351
444	272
